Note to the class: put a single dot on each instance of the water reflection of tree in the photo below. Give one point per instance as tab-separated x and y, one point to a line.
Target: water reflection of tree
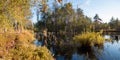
115	38
90	53
65	51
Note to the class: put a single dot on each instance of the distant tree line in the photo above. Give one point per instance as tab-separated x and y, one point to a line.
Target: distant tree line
65	21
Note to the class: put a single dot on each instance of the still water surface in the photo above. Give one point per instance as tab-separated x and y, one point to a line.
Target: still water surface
109	51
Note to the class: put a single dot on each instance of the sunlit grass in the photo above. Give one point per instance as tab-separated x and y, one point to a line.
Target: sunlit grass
30	53
18	46
88	39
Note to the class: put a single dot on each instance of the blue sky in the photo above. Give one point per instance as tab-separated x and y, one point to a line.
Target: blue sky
104	8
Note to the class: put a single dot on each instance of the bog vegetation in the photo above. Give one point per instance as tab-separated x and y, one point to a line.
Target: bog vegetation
59	26
89	39
17	34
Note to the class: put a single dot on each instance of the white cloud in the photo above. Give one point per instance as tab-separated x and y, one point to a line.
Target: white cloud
88	2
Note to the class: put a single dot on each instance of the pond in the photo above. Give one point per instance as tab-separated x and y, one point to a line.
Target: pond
109	51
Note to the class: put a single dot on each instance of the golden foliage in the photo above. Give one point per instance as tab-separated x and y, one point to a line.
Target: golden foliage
15	45
19	46
28	53
89	38
45	7
14	10
59	1
5	38
25	36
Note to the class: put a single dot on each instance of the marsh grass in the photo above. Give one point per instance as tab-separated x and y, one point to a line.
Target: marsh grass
88	39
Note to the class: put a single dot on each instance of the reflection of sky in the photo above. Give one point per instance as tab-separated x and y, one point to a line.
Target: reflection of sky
111	51
76	56
37	43
60	58
106	36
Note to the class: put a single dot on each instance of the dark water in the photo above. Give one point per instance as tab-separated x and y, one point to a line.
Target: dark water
109	51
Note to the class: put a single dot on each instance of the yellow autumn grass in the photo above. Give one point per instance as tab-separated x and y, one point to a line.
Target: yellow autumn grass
88	39
19	47
25	36
22	53
6	37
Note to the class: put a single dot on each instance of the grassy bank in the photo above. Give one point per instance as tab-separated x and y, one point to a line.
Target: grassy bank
19	46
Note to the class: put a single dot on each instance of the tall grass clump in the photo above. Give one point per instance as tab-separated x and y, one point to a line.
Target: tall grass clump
88	39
